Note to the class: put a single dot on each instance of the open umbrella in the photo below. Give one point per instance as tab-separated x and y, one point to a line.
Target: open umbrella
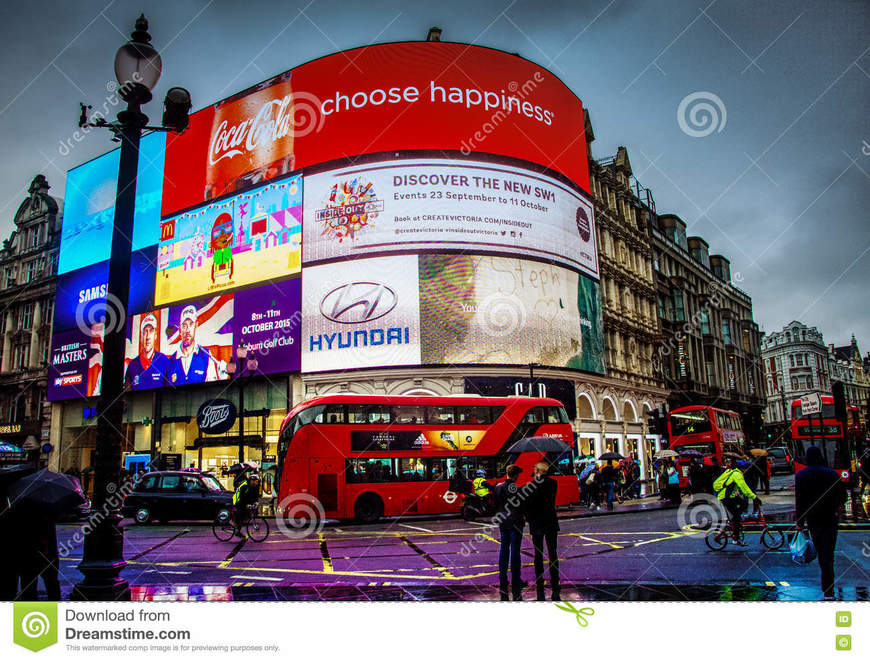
610	456
586	471
758	452
46	491
539	444
661	454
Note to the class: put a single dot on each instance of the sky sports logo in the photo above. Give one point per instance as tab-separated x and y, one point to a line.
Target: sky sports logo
71	380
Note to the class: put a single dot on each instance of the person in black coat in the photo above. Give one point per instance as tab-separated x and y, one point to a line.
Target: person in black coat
540	511
510	521
819	493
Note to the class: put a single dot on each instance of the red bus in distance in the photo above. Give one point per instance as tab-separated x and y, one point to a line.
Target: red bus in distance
806	430
368	456
708	430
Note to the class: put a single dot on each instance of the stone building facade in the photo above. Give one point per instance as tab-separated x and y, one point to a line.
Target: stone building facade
710	352
28	268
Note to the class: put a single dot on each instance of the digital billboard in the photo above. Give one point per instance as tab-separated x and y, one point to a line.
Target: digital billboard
364	316
411	205
503	310
192	342
242	240
428	211
400	96
89	207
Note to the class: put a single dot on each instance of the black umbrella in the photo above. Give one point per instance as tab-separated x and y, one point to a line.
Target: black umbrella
47	491
611	456
539	444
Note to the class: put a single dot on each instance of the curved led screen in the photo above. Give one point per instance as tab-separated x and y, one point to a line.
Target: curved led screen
417	203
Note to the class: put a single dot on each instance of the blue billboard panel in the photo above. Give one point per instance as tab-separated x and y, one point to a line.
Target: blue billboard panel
89	208
81	294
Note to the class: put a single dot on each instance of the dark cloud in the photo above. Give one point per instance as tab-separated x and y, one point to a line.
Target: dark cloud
790	74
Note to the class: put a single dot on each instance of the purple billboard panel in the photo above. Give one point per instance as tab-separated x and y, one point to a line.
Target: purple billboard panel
75	364
268	320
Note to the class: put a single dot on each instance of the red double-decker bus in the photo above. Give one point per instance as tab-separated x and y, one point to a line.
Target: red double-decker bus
708	430
826	433
368	456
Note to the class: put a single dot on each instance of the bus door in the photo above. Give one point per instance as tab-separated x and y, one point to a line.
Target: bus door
324	478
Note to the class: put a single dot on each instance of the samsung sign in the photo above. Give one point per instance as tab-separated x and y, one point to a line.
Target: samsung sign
216	416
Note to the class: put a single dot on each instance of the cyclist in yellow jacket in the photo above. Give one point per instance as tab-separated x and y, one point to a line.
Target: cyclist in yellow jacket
731	488
482	488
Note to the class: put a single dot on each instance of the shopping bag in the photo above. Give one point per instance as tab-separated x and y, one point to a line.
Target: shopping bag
802	549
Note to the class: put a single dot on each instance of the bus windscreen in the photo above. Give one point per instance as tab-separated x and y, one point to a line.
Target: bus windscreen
690	422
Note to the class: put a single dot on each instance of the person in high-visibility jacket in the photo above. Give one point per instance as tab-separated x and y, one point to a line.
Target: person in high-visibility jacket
482	488
247	494
728	487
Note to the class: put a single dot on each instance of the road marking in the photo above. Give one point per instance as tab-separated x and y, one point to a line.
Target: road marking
405	525
324	553
226	561
784	583
163	543
769	584
165	571
444	571
255	578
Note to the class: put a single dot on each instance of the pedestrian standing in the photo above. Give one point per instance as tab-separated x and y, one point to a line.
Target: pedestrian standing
819	493
608	482
763	468
540	510
510	521
864	466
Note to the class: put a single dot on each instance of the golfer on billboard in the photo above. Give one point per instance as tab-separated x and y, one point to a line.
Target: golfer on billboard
192	363
150	369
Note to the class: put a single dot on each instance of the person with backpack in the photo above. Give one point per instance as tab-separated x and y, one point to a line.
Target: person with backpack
735	494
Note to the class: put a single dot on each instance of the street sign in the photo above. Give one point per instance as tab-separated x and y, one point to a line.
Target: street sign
811	404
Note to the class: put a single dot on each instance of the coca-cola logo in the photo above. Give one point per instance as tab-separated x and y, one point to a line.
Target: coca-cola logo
272	122
294	115
216	416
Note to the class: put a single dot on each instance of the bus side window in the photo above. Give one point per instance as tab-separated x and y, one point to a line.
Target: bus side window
357	414
440	415
535	415
553	416
379	414
408	415
473	415
333	414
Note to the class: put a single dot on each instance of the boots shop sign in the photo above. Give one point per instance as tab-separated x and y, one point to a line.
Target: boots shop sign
216	416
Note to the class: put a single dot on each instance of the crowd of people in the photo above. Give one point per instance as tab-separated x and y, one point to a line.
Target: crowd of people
602	482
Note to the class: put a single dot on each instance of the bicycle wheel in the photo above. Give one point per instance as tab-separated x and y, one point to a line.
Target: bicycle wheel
716	539
223	530
772	539
258	529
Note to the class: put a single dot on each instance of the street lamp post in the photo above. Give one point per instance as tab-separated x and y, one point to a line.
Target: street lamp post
237	370
137	68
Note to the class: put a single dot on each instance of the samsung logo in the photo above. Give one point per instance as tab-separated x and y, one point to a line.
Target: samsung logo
358	302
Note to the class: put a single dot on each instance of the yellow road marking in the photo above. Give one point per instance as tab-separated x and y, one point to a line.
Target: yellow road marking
324	553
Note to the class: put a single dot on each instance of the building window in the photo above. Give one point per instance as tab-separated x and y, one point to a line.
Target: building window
10	277
32	270
22	356
48	307
705	322
726	330
679	308
791	360
25	321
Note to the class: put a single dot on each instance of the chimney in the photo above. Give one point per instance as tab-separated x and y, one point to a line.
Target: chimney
434	34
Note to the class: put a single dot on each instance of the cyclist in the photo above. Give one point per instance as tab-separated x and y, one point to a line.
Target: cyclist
482	488
246	496
732	490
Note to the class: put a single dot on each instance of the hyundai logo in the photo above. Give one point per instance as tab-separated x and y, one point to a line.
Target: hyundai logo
358	302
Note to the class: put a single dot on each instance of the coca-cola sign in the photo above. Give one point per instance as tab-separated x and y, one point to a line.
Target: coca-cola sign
272	122
401	96
216	416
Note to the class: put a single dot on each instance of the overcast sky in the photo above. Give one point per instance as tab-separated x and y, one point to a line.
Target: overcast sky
780	186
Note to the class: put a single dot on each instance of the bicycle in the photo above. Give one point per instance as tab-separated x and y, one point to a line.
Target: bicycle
717	538
256	527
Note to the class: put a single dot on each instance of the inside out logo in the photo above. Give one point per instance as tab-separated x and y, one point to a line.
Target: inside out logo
350	207
583	225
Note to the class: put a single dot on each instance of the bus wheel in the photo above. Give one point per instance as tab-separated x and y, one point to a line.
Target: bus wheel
368	508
